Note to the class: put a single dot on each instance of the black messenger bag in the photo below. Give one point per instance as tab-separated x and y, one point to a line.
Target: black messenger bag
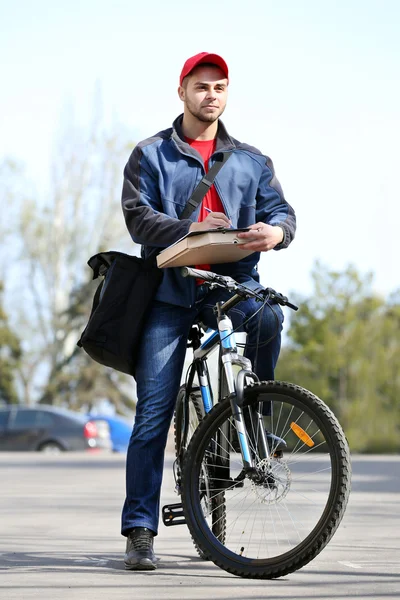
120	307
123	299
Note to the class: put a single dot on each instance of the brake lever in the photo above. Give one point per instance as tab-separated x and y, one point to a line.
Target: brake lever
249	293
280	298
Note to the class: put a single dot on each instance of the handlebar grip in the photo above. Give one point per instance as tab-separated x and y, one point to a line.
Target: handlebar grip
292	306
206	275
279	298
185	271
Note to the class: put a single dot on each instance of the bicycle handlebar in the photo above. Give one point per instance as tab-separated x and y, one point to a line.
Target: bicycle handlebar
233	286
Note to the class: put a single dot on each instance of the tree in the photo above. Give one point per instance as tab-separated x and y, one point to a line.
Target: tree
80	216
77	380
344	345
10	354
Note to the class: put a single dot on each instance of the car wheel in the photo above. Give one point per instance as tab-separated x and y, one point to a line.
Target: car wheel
51	448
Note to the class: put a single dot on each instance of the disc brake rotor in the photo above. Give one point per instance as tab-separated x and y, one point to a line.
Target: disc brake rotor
275	480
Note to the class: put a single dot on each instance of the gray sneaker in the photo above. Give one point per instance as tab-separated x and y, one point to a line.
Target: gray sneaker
139	554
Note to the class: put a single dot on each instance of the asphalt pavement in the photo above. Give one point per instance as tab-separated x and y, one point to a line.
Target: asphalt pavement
59	538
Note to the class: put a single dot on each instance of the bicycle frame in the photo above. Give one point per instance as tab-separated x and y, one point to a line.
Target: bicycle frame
249	428
229	384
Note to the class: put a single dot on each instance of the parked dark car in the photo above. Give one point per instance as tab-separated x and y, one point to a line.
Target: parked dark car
50	429
120	431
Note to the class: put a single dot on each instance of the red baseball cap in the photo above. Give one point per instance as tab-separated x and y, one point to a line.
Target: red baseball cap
203	57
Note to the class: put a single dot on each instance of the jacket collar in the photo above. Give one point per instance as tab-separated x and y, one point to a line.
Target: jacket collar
224	140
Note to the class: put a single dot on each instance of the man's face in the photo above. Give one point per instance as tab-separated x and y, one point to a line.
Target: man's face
204	93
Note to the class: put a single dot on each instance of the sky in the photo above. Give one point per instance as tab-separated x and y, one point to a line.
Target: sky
314	84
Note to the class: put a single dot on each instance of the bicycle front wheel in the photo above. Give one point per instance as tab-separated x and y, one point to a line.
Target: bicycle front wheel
282	516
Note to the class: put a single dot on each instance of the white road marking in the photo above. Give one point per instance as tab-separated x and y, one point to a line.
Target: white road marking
98	561
349	564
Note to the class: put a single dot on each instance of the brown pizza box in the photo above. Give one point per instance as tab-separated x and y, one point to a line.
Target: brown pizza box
212	246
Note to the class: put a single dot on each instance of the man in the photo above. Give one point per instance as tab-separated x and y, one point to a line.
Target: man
160	176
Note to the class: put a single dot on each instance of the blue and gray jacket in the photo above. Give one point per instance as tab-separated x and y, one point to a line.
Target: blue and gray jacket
159	178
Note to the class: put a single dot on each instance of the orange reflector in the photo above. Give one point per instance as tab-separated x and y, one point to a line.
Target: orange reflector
301	434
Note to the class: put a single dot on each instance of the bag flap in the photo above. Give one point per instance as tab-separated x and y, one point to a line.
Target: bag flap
100	263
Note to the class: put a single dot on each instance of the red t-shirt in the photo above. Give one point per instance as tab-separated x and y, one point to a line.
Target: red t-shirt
211	200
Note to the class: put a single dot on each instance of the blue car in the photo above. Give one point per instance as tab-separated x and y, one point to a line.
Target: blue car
120	431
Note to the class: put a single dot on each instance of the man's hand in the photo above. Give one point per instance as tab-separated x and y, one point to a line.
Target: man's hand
212	221
262	237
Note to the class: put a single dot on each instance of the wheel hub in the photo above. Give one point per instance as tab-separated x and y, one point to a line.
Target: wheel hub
273	480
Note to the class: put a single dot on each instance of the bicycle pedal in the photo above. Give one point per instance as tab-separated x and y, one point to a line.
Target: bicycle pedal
172	514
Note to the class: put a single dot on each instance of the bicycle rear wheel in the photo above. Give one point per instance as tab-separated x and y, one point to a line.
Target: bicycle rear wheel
278	521
214	505
196	413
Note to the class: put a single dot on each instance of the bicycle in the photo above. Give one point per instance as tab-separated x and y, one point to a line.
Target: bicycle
264	471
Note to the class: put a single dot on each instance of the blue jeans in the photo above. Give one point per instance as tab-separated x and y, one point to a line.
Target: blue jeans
158	377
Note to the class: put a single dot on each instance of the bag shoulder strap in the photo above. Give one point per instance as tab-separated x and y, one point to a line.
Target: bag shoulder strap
101	263
204	185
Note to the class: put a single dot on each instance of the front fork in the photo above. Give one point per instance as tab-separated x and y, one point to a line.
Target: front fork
234	387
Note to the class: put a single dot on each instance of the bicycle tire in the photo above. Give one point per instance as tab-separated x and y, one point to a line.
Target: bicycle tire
197	403
217	503
286	496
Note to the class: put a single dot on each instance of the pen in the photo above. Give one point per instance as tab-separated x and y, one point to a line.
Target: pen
209	211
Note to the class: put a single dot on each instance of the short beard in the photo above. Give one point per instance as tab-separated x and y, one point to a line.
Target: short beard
204	118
